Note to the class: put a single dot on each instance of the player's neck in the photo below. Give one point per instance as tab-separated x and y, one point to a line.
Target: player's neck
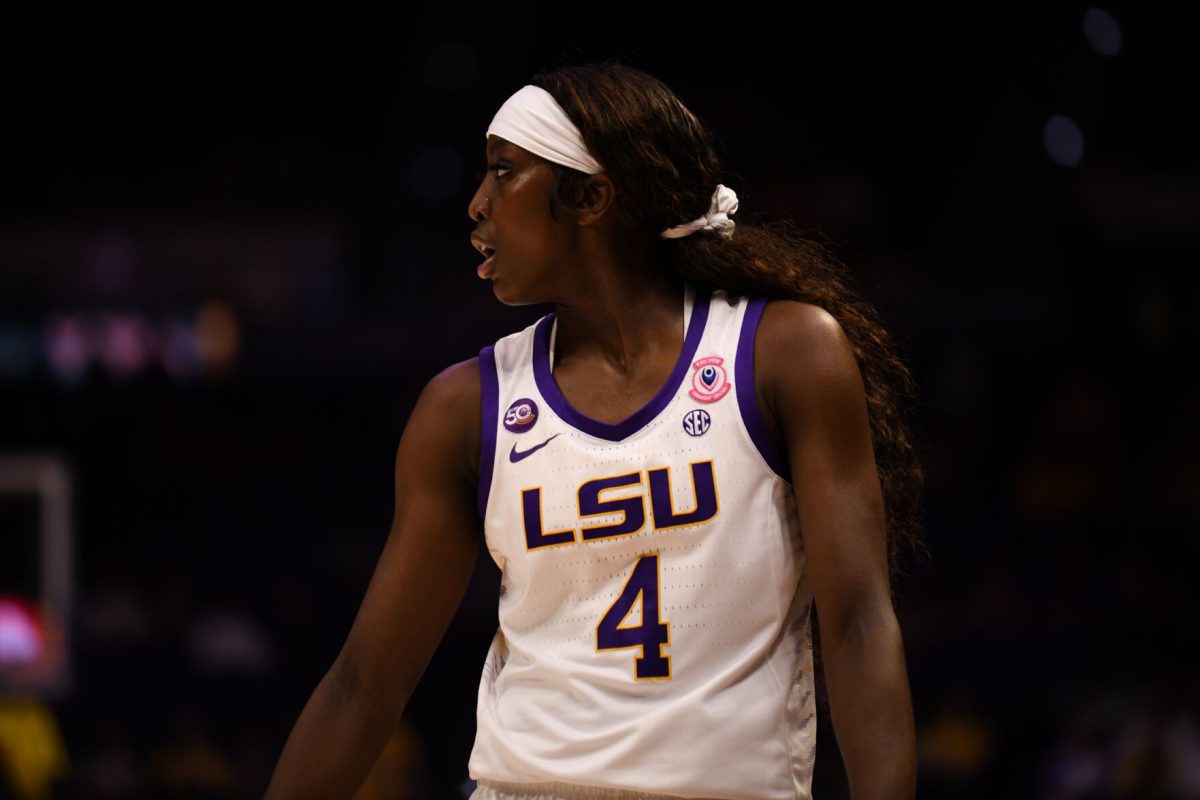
621	322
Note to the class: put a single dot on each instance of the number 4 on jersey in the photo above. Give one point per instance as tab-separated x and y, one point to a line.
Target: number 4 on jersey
651	635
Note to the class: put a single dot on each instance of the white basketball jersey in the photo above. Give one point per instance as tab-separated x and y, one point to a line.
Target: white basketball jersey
654	605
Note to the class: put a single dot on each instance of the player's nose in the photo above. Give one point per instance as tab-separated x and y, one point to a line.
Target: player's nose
477	208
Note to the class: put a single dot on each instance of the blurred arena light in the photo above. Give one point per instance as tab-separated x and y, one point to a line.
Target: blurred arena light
1063	140
36	574
217	335
181	350
21	638
123	344
126	344
67	347
1102	31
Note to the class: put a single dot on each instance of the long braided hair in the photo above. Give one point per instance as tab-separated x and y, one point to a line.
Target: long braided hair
646	138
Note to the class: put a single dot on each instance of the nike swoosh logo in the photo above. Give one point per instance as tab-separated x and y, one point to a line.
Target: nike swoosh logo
516	455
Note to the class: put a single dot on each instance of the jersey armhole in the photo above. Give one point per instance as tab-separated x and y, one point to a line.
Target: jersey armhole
746	397
489	385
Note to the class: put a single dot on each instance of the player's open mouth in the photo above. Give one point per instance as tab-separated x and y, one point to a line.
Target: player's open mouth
484	270
481	244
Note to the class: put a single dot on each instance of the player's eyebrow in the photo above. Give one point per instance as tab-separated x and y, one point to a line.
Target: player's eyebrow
495	146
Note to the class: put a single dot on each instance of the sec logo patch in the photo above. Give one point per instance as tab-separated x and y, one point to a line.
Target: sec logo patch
697	422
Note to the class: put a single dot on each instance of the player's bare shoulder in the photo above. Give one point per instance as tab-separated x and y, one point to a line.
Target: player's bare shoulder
802	358
451	402
796	327
795	336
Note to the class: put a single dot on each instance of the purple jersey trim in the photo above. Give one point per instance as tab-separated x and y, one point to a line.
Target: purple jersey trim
747	402
490	401
632	424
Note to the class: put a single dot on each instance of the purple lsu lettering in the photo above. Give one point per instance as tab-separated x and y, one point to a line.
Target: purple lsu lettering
632	508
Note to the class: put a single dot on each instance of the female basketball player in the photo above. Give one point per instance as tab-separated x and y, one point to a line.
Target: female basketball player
699	447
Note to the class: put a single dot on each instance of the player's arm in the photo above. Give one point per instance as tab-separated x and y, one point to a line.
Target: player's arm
813	387
418	584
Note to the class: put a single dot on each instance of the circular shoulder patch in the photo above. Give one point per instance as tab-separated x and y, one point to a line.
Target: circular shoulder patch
521	415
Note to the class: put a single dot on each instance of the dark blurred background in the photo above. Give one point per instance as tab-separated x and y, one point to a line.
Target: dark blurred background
233	252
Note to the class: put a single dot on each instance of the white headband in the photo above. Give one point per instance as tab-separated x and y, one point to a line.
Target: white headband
533	119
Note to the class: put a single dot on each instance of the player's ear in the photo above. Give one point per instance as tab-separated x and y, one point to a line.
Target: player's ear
595	198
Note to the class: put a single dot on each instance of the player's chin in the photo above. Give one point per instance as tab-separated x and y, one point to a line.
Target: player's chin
516	293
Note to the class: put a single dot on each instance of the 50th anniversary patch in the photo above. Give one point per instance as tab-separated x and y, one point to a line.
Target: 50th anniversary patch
521	415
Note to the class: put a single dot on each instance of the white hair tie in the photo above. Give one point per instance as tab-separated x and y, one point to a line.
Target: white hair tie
533	119
724	203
